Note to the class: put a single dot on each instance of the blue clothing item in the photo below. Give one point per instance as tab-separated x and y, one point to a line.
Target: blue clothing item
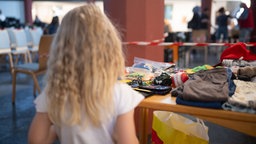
222	22
222	31
215	105
236	108
52	29
195	22
231	84
196	9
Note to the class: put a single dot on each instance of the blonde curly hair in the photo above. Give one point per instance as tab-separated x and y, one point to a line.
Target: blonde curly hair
85	62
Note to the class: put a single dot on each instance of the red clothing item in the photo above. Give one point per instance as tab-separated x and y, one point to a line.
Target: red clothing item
237	51
247	23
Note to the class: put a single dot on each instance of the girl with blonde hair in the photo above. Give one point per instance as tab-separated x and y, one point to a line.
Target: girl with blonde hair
82	101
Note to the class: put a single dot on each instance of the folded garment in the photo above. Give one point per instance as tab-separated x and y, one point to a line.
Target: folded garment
244	94
248	72
215	105
238	108
235	62
207	86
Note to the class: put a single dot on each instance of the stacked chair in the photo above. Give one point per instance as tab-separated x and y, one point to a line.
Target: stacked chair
5	46
19	45
33	38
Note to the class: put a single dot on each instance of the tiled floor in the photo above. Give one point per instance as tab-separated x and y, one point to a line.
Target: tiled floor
15	119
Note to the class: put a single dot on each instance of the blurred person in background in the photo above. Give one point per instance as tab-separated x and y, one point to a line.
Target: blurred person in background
38	23
205	22
198	33
53	26
222	21
245	22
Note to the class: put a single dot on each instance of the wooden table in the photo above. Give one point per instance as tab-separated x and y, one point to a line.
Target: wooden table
242	122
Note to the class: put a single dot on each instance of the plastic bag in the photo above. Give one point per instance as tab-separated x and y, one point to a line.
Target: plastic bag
150	65
172	128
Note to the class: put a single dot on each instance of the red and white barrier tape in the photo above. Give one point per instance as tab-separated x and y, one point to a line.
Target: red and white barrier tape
143	43
161	43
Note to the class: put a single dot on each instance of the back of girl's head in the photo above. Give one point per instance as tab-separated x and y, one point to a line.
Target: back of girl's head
85	61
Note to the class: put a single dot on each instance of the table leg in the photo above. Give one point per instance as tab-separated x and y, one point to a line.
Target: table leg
143	126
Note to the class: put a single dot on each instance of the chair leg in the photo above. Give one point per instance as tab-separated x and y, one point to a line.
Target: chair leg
11	63
16	59
205	54
34	90
187	57
13	86
29	57
25	57
33	56
36	85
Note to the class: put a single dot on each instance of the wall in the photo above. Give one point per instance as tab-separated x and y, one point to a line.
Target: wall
181	10
13	9
181	13
44	9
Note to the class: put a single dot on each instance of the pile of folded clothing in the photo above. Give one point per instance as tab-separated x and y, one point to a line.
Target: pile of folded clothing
229	85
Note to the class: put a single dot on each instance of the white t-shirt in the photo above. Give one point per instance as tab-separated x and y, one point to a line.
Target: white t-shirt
125	99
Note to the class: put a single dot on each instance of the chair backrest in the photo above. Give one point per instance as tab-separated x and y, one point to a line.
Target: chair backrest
35	35
39	30
44	49
29	37
11	37
5	44
19	38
